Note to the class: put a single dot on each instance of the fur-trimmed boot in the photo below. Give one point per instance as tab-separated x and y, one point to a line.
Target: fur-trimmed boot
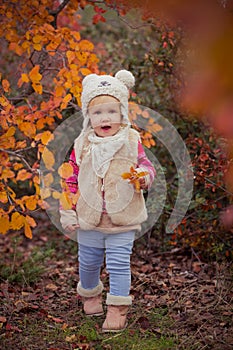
92	299
116	318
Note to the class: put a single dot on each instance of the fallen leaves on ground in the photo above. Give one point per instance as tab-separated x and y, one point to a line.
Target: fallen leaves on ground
195	295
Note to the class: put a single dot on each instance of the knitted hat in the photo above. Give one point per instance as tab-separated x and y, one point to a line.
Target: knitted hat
95	85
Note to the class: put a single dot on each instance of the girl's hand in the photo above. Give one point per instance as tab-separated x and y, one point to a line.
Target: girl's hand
142	182
72	228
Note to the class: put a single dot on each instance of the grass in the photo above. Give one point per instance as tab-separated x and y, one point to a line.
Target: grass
39	333
25	270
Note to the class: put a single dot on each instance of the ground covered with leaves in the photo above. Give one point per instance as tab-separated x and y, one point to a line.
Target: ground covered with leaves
180	301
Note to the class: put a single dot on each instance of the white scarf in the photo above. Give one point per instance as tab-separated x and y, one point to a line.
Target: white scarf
103	149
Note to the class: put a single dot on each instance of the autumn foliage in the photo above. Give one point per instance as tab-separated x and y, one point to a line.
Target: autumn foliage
48	63
45	53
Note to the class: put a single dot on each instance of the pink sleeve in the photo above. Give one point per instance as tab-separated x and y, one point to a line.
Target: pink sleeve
72	181
145	163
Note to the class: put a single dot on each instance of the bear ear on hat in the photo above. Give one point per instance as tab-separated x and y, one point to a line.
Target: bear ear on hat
88	78
126	77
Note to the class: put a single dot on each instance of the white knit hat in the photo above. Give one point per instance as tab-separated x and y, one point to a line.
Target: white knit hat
95	85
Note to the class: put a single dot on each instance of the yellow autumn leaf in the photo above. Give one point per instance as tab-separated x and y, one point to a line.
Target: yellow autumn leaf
74	197
3	196
59	91
37	47
65	201
23	175
37	88
145	114
56	195
86	45
37	39
85	71
31	203
27	128
34	74
30	221
7	174
17	221
27	230
76	35
46	137
48	180
133	177
65	170
48	158
4	224
65	101
71	56
24	78
146	143
5	85
45	193
154	127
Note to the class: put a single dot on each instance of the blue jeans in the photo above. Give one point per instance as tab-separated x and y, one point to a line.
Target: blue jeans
93	246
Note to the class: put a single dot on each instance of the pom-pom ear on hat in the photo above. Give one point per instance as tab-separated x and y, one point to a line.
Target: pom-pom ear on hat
88	79
126	78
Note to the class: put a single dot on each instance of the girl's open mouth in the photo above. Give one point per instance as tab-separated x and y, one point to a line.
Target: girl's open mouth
106	127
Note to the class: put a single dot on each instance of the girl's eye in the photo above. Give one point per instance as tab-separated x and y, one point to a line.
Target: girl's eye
112	111
97	112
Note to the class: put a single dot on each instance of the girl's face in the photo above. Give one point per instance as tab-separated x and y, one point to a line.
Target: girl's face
105	115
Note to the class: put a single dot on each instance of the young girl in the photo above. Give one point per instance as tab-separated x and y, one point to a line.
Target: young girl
109	209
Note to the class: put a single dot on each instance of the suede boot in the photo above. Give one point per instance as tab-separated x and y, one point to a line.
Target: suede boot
93	306
116	318
92	299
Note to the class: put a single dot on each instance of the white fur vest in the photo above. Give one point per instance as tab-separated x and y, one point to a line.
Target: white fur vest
124	206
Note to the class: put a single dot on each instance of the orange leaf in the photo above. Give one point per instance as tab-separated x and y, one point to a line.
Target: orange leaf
4	224
34	74
37	47
37	88
66	99
31	202
24	78
27	230
30	221
48	180
17	221
133	177
71	56
5	85
86	45
56	195
48	159
65	201
23	175
27	128
46	137
3	197
65	170
37	39
45	193
7	174
85	71
59	91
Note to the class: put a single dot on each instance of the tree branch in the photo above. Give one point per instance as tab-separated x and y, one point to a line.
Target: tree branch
19	156
56	12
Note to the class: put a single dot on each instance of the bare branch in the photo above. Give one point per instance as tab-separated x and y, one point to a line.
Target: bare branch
56	12
59	8
19	156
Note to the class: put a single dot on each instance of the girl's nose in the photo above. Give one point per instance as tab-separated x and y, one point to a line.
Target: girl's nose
105	118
